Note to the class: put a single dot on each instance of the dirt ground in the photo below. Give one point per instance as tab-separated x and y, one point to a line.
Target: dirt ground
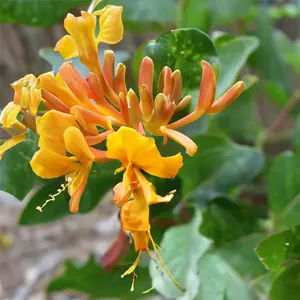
31	255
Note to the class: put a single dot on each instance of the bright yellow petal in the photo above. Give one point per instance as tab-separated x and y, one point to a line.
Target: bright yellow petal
48	164
77	186
35	100
67	47
51	128
111	25
77	145
82	30
11	143
149	190
129	146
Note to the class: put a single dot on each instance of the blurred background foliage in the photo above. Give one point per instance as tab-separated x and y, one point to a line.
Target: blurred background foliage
244	181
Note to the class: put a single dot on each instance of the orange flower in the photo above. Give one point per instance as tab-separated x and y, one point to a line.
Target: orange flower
136	193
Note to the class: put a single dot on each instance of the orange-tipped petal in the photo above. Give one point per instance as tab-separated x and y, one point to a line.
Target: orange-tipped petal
109	66
77	145
67	47
183	103
77	186
180	138
176	86
164	81
54	102
120	84
99	155
75	82
111	25
48	164
99	138
142	152
10	143
89	120
146	102
134	106
205	99
146	74
226	99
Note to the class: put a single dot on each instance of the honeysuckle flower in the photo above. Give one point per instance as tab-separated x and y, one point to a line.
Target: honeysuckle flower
134	195
12	126
82	40
155	114
60	134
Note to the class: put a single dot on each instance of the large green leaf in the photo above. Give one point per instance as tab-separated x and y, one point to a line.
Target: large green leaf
93	280
99	183
225	220
56	60
183	246
279	248
36	12
284	189
287	284
233	54
183	49
239	120
219	281
218	166
16	175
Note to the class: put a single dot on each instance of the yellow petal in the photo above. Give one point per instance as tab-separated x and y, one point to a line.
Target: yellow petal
129	146
35	100
77	186
82	30
149	190
67	47
77	145
11	143
48	164
111	25
51	128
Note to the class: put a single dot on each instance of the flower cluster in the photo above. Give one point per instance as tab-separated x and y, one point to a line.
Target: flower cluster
73	115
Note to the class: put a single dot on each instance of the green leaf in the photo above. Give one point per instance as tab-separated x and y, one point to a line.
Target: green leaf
278	249
36	12
92	280
225	220
16	175
227	11
218	166
195	14
239	120
287	284
98	185
219	281
183	49
276	93
56	60
183	246
283	190
233	55
267	53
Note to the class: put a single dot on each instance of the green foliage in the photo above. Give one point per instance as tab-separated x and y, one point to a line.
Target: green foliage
210	173
183	49
183	246
14	168
87	278
36	12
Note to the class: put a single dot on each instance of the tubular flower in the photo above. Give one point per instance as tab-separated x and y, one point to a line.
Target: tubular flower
134	195
60	134
156	114
27	99
82	40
